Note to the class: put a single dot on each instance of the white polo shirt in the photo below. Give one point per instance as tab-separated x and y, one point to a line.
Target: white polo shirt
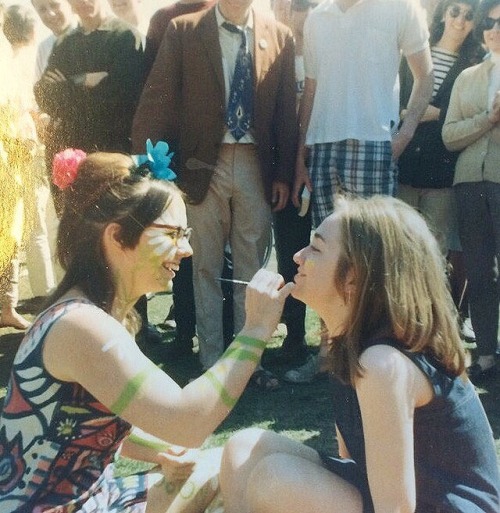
354	57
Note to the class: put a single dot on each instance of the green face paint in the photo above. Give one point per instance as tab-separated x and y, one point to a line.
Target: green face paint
241	354
170	488
156	445
240	350
131	389
252	342
188	490
227	399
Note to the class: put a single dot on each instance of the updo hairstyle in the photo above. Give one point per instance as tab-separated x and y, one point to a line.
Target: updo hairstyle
107	190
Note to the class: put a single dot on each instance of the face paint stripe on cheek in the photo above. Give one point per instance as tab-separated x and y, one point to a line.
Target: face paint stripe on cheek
162	248
163	244
156	240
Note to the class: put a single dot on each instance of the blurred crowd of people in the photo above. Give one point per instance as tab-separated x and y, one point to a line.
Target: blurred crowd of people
107	79
298	126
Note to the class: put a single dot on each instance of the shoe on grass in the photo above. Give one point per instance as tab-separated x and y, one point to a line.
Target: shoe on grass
467	331
306	373
264	380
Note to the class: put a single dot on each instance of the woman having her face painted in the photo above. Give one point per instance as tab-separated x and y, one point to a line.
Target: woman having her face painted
79	381
413	436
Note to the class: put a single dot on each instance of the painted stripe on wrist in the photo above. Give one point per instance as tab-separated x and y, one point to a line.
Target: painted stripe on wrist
249	341
240	354
158	446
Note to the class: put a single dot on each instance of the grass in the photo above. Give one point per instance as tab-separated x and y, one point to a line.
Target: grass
298	410
302	412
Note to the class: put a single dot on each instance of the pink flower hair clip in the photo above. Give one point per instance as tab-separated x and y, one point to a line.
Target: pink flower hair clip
65	166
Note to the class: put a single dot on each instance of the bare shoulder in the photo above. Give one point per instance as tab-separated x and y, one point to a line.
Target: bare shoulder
82	337
87	322
388	371
382	359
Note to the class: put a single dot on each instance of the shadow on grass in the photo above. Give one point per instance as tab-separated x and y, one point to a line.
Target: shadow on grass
301	411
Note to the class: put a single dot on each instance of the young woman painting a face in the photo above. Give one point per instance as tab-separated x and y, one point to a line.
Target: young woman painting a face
79	381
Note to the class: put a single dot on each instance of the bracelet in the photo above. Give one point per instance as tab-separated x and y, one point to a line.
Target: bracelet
249	341
158	446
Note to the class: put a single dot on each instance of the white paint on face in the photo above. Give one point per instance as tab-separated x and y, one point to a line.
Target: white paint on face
163	244
151	265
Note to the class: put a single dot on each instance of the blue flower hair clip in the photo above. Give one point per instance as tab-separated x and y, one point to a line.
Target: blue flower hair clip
156	161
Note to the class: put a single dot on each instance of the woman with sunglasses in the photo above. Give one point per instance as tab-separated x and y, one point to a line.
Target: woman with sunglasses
411	430
472	126
79	381
426	167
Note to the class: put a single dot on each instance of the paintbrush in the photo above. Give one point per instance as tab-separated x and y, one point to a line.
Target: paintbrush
238	282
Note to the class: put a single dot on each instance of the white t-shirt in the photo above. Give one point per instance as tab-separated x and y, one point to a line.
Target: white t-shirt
354	58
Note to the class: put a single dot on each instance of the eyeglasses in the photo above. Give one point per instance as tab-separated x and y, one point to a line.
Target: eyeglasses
489	23
455	11
176	233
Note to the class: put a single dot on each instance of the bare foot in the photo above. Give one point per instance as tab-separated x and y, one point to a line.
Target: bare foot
12	319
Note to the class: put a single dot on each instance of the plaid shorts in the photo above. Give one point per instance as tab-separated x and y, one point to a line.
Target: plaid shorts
362	168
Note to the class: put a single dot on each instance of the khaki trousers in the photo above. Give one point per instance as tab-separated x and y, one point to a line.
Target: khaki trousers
234	212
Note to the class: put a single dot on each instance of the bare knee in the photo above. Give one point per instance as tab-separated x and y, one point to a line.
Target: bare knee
269	479
281	483
243	445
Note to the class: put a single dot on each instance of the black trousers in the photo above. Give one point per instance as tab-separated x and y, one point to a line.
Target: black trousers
291	234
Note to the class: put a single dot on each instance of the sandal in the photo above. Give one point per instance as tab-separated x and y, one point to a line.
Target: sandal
265	380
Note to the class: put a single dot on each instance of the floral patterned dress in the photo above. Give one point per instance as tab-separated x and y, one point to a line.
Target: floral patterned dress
57	442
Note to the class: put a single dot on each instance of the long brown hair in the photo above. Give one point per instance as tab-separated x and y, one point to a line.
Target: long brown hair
106	190
471	47
401	285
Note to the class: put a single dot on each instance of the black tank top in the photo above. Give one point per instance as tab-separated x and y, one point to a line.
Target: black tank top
455	460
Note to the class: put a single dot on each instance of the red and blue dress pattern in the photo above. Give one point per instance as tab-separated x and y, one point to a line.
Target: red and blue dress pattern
57	441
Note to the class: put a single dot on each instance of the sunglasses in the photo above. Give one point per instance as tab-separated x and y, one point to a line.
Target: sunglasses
175	233
455	11
489	23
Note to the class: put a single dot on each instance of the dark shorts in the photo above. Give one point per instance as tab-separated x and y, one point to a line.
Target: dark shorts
349	471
